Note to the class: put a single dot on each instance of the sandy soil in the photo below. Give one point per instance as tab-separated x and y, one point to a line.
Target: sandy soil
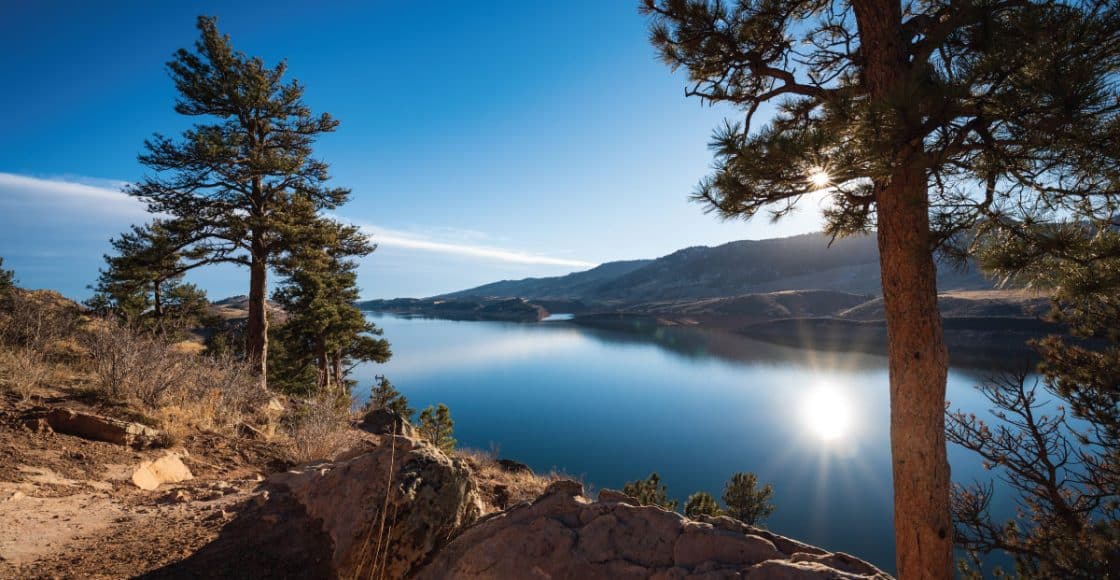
68	508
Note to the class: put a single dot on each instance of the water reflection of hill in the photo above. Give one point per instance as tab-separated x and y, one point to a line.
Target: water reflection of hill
802	344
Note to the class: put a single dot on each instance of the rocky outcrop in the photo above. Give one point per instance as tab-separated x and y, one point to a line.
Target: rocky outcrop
381	512
397	507
564	535
387	509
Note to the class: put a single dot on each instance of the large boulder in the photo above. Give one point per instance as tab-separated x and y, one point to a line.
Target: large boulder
564	535
380	513
387	509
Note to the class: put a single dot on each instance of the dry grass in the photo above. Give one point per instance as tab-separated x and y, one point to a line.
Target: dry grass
501	488
184	390
23	371
318	428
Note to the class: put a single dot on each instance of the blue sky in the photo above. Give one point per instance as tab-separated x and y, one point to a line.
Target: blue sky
482	140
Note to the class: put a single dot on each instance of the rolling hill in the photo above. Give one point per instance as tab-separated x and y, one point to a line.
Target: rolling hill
805	262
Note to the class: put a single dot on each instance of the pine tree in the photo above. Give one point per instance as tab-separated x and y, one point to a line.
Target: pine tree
650	491
929	126
436	426
324	329
701	503
230	181
142	281
386	396
746	501
1064	471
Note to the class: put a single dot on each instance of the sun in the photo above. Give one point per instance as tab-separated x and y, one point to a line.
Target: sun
819	178
827	413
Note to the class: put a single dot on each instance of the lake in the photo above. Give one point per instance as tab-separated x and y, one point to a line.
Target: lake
695	406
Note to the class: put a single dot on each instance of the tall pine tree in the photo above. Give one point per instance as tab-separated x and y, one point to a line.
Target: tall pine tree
324	330
231	180
925	123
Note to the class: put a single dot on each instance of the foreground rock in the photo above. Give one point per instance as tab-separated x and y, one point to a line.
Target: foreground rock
397	507
564	535
167	469
95	427
378	514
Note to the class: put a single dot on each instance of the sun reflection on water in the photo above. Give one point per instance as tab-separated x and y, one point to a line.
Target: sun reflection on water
827	413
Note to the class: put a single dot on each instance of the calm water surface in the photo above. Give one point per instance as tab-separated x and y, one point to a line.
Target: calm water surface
694	406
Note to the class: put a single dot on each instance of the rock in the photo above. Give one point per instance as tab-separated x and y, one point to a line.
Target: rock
511	466
387	510
98	428
564	487
839	561
386	422
615	496
787	570
167	469
37	424
702	543
178	496
564	535
16	496
784	545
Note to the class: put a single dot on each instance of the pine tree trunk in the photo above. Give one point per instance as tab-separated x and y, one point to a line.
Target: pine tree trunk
158	298
324	368
918	368
918	359
256	332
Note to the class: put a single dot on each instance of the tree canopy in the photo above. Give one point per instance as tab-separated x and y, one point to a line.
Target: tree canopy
937	123
230	182
1009	106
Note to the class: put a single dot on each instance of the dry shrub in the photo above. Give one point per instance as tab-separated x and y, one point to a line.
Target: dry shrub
318	427
37	318
134	366
24	370
502	488
185	390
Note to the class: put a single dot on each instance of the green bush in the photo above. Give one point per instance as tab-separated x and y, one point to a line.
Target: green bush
386	396
701	503
745	500
650	491
436	426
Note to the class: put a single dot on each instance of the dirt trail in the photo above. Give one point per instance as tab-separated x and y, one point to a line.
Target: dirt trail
68	507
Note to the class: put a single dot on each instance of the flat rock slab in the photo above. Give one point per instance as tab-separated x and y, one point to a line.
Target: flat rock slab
98	428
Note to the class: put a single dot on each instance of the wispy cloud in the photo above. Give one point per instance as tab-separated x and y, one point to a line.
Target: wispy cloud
80	196
76	194
412	241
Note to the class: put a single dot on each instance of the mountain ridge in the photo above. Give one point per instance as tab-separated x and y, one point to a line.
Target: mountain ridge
802	262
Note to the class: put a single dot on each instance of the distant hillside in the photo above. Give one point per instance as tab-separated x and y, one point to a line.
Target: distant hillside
967	304
804	262
737	311
570	287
